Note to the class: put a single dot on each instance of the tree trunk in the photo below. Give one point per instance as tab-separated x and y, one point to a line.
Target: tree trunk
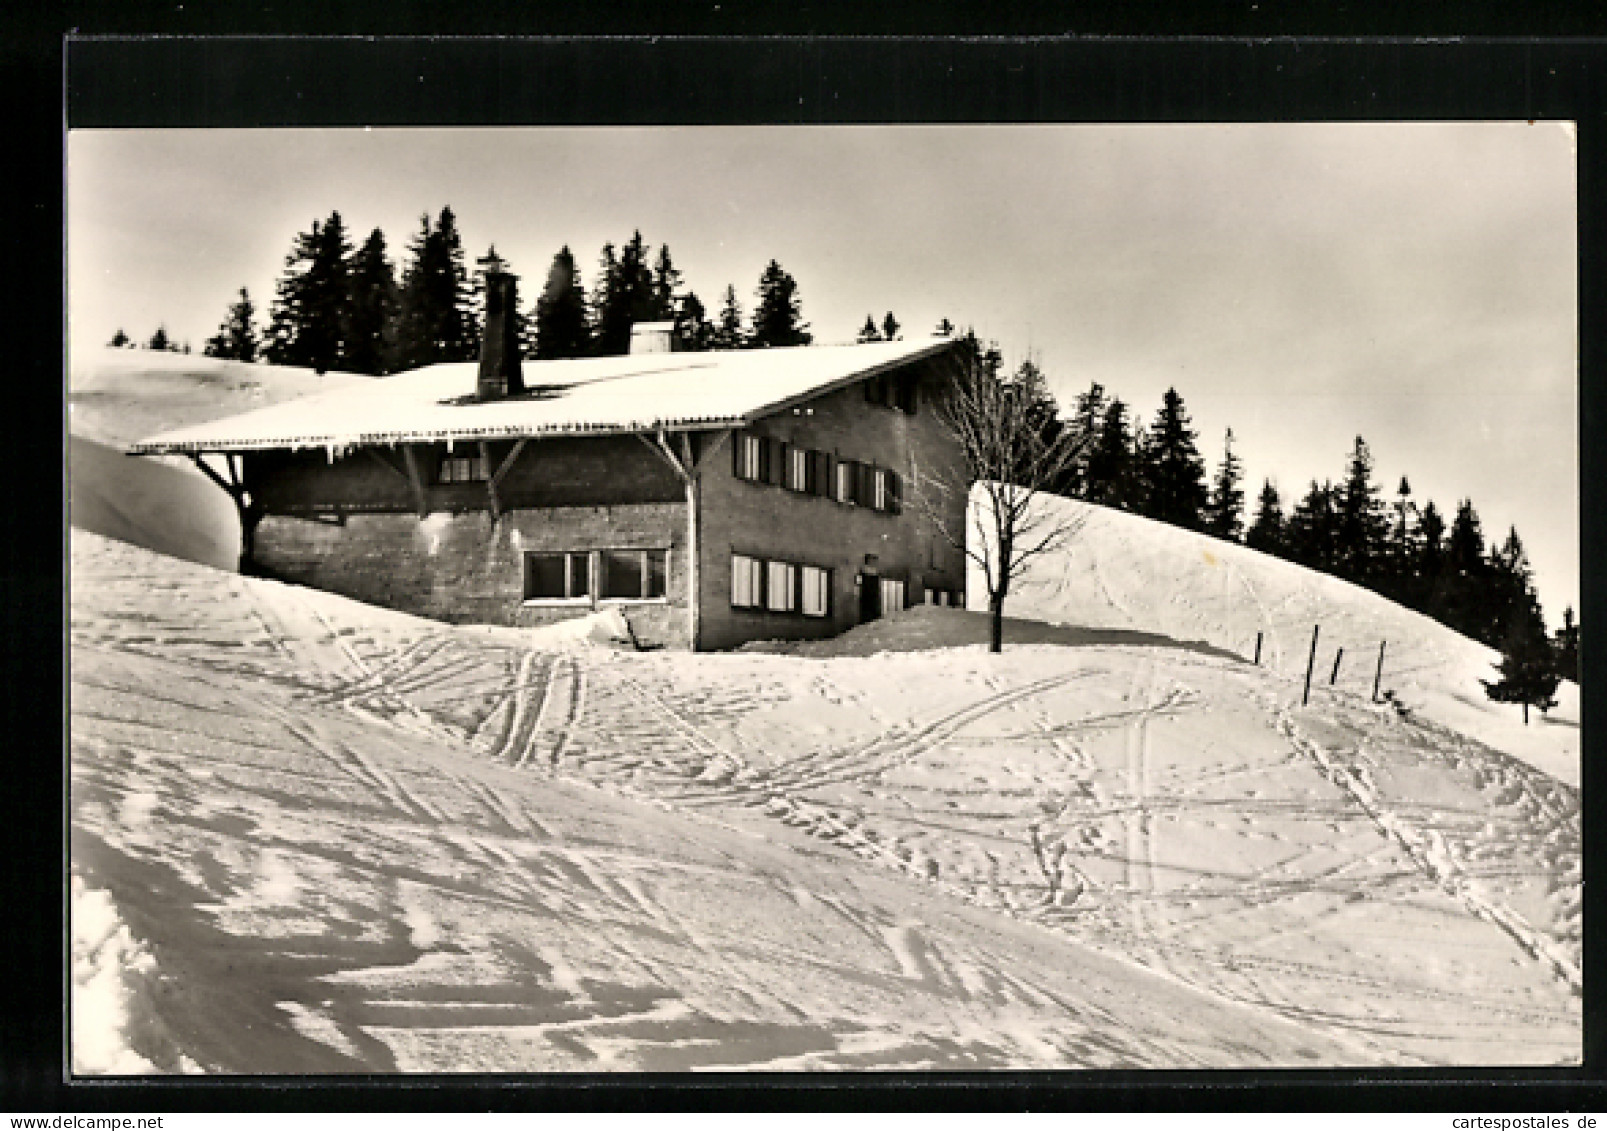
996	623
1526	714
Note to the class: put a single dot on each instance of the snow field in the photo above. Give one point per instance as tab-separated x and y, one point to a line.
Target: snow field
1121	571
448	848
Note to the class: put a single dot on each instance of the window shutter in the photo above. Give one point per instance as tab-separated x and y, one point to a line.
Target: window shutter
867	485
895	493
908	393
823	473
781	466
738	442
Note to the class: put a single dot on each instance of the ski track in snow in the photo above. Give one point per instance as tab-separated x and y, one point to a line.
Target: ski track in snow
1036	787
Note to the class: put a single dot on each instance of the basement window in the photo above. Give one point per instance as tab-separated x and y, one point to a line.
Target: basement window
557	576
632	575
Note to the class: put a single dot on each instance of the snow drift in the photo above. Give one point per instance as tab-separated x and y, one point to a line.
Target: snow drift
1119	570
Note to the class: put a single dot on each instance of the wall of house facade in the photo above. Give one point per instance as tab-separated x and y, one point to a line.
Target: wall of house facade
350	524
772	522
457	564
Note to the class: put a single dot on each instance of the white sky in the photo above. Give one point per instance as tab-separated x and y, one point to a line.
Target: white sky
1413	283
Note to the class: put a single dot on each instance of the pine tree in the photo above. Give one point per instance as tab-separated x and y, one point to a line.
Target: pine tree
1565	646
666	286
1173	472
561	326
1113	474
728	333
1224	512
625	295
375	300
236	339
945	329
119	339
1508	579
1087	420
890	327
869	331
1460	590
436	320
1314	528
311	307
159	340
1267	531
1527	667
777	319
693	330
1362	528
1401	555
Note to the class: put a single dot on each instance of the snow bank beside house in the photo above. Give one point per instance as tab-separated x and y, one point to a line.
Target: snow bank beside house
1121	571
171	510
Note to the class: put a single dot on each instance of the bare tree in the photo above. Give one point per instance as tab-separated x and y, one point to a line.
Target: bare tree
1013	450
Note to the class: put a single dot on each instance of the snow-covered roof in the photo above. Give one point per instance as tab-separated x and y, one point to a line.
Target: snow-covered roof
591	396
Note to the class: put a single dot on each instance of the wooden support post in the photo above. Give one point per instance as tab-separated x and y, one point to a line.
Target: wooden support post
1258	649
1379	673
420	500
508	461
490	484
1334	675
387	465
206	469
1305	696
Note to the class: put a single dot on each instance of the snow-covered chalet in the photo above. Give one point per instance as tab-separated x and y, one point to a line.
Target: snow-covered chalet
714	498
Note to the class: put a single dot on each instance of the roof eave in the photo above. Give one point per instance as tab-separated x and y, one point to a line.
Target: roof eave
843	382
376	439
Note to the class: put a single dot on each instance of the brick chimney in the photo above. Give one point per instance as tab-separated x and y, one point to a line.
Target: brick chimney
500	373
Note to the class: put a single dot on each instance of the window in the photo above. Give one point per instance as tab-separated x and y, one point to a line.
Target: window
908	393
750	457
847	481
781	587
892	595
893	391
747	581
820	474
815	597
462	469
798	467
620	575
557	576
879	489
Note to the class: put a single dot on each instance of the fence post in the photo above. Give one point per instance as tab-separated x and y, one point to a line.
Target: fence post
1379	674
1258	649
1305	696
1333	678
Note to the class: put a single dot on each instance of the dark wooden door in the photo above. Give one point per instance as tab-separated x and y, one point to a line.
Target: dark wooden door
870	597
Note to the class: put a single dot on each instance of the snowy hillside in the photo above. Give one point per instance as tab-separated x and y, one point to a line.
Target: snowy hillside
309	835
117	396
1122	571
